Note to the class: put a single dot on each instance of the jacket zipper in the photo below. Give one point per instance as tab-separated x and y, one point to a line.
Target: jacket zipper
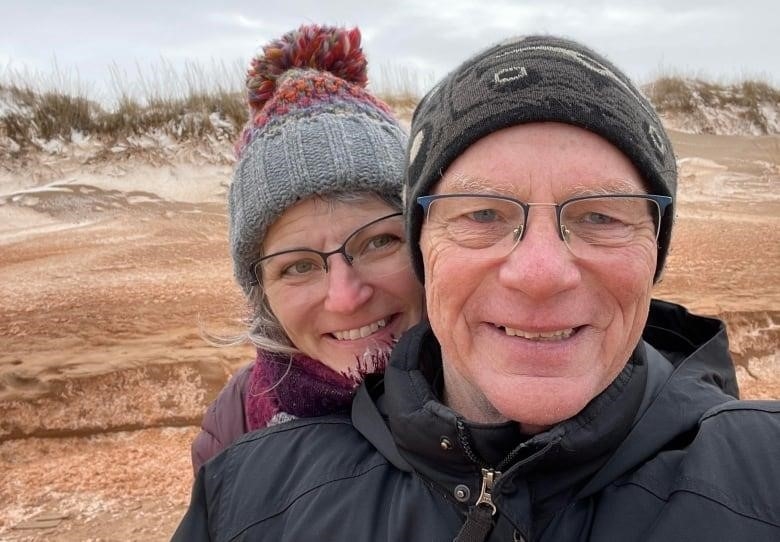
479	521
489	477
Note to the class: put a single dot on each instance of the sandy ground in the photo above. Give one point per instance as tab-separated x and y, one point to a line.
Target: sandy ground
109	269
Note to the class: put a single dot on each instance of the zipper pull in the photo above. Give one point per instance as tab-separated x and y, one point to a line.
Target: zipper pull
489	477
479	521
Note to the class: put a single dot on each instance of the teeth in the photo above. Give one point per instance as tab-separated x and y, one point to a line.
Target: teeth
359	333
545	336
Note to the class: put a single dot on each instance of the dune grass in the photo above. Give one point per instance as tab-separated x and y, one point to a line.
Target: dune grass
679	96
185	104
50	115
178	104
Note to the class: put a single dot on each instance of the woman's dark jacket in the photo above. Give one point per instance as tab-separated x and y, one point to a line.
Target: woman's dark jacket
224	420
665	453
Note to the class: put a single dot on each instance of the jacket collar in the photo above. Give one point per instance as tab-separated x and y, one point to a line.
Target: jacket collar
645	407
445	448
690	371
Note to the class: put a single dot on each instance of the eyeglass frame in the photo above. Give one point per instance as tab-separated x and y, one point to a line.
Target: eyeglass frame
348	258
663	203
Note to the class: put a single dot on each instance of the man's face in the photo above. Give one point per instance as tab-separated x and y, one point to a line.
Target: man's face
535	335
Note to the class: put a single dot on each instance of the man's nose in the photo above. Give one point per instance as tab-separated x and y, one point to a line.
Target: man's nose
541	265
347	291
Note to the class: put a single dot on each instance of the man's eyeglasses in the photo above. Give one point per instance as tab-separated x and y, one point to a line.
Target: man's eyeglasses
373	250
591	226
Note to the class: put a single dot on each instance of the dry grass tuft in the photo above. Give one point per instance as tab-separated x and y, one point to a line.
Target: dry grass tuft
36	118
671	95
747	100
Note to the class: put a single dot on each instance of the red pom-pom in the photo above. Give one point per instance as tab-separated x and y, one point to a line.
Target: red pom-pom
324	48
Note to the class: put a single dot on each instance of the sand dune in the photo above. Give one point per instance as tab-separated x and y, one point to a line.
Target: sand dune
108	268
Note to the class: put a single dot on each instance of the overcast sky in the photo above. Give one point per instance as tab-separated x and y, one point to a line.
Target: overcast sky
717	39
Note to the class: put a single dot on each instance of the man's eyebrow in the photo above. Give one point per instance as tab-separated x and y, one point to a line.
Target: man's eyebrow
459	182
605	188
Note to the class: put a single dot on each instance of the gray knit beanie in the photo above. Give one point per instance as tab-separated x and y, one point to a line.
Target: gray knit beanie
313	130
535	79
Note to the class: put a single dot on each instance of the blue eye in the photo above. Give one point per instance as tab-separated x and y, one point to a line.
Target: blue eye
598	218
484	215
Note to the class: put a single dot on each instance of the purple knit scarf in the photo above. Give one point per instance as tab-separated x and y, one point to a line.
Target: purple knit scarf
301	386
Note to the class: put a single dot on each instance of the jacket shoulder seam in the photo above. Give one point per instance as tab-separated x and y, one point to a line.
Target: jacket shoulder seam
695	486
292	501
766	406
689	485
293	425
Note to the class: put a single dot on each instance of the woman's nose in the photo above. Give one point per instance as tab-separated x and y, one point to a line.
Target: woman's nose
347	291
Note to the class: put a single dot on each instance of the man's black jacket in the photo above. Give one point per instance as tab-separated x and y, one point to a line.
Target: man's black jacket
664	453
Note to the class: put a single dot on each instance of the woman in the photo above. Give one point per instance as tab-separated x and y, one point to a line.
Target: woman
316	235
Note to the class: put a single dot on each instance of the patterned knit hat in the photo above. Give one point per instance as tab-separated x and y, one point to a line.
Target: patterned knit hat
535	79
313	130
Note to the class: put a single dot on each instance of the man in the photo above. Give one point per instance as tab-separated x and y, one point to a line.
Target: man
547	398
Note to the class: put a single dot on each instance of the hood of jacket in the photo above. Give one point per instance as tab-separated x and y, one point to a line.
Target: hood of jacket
678	371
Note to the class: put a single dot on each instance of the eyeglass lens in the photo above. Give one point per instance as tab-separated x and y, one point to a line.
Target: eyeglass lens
375	249
591	227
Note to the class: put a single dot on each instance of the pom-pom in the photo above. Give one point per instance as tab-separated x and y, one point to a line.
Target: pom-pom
323	48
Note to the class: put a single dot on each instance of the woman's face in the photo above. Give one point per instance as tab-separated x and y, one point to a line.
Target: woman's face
340	313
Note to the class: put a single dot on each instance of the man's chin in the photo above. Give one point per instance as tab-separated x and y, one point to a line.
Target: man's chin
541	406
